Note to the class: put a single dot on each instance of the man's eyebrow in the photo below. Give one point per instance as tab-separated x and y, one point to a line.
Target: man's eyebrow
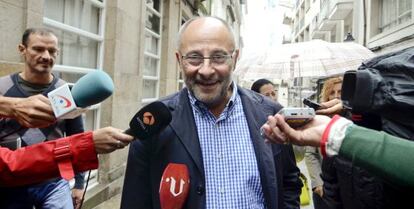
214	52
219	51
195	52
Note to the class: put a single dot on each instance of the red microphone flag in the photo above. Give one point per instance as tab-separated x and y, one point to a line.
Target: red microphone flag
174	186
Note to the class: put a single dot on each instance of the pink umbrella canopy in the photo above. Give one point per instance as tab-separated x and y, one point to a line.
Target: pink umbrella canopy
314	58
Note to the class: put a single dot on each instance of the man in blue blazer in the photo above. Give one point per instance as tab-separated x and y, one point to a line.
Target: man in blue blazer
215	133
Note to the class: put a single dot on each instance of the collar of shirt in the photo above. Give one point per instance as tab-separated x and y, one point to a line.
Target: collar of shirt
200	107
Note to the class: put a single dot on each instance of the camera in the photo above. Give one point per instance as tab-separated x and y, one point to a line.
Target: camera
383	88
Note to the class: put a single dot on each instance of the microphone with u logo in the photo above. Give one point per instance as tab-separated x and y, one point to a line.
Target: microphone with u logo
174	186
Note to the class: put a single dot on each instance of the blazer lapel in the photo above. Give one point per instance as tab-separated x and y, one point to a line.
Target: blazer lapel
255	119
184	126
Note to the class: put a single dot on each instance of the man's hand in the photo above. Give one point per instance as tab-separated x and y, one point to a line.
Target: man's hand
109	139
278	131
77	197
331	107
32	112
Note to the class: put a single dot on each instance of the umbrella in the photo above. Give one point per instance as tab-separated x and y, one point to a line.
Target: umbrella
314	58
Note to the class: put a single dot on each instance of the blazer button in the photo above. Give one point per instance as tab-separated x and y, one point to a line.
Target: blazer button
200	190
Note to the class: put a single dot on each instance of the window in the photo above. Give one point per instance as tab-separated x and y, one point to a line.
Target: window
180	79
205	7
152	53
394	12
77	23
307	5
79	27
314	24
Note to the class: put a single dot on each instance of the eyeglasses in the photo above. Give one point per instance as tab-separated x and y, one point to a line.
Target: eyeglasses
196	60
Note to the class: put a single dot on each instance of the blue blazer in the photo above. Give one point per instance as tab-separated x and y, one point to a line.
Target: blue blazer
179	143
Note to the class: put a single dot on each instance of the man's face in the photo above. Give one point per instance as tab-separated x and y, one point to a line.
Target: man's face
40	53
207	79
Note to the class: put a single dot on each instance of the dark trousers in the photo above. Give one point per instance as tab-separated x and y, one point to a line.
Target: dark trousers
318	202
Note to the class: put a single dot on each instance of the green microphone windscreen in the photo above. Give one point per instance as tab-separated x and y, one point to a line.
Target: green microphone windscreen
92	88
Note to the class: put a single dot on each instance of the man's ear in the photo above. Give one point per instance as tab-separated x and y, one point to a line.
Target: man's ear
22	49
178	57
236	54
236	57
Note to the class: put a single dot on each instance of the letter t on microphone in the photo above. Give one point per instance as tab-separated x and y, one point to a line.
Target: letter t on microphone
174	186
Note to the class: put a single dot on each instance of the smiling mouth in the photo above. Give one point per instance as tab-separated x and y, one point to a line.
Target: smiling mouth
208	84
207	81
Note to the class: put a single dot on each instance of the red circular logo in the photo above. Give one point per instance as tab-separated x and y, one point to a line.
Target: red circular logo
148	118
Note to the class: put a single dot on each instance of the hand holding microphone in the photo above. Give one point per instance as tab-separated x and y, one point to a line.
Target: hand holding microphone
37	111
149	120
109	139
33	111
277	130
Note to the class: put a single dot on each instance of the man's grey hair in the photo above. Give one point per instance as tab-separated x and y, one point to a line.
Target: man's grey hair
188	22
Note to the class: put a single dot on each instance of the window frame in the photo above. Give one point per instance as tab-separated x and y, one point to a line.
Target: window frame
99	38
147	54
393	24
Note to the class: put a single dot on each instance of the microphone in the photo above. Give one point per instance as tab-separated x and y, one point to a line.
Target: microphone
149	120
90	89
174	186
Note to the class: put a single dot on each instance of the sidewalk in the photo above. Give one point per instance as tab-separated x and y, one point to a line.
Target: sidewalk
113	203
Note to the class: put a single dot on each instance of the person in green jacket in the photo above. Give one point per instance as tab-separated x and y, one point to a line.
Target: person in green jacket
384	155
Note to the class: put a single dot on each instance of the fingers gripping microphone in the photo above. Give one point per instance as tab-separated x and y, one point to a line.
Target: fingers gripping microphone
149	120
90	89
174	186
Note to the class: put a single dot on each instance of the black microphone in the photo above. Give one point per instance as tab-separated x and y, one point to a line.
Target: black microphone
149	120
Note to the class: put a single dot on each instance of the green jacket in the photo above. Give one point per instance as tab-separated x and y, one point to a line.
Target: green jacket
385	155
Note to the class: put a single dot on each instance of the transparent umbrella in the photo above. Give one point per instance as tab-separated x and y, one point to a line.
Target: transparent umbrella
314	58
